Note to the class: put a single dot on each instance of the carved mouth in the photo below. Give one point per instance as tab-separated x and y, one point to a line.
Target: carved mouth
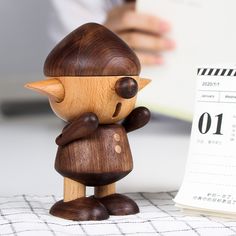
117	110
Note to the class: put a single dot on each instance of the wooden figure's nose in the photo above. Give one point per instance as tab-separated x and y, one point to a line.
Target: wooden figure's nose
126	87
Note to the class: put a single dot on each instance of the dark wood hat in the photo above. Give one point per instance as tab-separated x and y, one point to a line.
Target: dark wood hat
91	50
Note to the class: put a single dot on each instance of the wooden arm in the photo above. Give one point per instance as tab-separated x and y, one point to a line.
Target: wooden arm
82	127
138	118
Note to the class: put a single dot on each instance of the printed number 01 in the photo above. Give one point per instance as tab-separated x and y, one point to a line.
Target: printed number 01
207	127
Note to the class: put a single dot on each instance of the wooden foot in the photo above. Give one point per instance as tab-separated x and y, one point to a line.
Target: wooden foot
118	204
80	209
105	190
73	190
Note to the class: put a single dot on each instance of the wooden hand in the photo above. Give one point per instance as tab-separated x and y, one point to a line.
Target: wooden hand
138	118
82	127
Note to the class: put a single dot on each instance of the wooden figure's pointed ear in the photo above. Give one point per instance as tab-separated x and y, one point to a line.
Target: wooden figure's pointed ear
53	88
142	83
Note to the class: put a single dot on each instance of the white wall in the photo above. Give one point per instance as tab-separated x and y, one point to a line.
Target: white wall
24	38
24	43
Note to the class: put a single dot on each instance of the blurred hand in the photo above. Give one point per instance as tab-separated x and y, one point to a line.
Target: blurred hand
144	33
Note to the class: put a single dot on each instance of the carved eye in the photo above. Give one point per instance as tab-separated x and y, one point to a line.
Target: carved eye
126	87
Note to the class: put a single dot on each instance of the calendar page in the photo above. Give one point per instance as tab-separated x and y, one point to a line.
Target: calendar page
210	179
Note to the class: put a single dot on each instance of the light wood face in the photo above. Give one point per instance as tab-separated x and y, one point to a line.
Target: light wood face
93	94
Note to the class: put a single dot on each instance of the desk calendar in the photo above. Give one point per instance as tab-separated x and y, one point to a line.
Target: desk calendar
209	184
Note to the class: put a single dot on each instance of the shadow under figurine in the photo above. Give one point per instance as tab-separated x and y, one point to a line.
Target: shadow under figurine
92	80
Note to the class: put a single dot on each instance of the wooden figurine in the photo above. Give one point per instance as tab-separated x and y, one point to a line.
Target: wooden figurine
92	80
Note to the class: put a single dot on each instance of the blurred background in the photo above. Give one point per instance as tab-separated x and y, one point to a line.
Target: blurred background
29	30
25	42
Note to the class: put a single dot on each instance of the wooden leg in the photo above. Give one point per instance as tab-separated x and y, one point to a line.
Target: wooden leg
105	190
73	190
75	206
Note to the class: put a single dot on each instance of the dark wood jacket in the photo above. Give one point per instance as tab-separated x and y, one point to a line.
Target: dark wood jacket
97	154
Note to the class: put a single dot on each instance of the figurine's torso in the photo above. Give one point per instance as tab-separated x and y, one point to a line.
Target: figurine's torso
101	158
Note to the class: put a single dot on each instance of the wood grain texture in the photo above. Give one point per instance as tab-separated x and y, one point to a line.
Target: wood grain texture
105	190
92	94
80	209
98	159
63	103
83	127
73	190
126	87
91	50
138	118
92	81
118	204
52	88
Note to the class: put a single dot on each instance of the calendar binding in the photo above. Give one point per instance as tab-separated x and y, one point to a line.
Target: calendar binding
216	71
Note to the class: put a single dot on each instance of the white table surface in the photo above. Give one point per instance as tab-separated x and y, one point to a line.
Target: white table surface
27	154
